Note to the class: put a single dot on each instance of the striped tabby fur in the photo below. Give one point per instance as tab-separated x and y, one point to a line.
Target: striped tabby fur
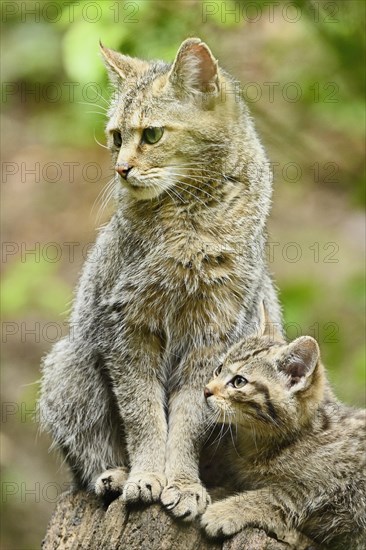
299	460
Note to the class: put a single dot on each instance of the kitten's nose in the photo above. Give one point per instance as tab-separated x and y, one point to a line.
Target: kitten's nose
207	392
123	169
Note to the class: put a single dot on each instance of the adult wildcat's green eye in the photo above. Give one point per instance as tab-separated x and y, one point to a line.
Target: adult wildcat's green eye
238	381
117	139
152	135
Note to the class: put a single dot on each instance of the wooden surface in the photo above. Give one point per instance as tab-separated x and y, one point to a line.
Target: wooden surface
81	522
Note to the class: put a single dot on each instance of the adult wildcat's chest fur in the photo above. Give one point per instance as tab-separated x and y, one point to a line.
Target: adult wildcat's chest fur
188	272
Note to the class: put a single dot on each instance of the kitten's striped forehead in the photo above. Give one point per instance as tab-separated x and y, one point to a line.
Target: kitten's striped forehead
243	352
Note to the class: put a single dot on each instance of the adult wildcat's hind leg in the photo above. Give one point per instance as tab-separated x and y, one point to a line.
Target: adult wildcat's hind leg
77	407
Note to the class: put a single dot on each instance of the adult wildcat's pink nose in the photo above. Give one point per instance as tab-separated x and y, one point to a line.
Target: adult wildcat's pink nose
123	169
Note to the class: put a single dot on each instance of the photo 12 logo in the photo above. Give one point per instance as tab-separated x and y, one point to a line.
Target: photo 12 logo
231	12
53	12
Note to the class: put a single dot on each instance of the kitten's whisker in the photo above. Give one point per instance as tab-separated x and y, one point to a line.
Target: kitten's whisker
211	425
254	435
232	438
210	428
221	434
218	437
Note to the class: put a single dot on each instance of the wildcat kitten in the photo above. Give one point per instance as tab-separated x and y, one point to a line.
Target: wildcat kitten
300	457
174	279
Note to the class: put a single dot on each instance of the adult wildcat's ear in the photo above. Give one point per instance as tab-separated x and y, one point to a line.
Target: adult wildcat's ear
265	325
195	69
122	67
299	362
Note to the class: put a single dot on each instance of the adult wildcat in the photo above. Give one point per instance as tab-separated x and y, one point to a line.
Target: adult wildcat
174	279
299	461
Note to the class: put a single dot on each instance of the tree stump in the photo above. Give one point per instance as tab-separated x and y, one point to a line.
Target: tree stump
80	522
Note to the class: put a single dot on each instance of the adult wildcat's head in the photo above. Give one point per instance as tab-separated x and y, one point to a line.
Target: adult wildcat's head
178	129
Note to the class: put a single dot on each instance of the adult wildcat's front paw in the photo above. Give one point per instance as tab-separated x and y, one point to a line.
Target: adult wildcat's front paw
143	487
110	483
185	501
219	520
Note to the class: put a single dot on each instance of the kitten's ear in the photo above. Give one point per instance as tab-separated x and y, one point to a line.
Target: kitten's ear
122	67
195	69
266	327
300	361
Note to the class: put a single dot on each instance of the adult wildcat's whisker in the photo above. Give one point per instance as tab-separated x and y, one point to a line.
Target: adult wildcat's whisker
93	104
98	142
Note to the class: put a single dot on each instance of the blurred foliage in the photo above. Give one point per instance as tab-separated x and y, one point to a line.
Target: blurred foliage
55	92
26	287
325	59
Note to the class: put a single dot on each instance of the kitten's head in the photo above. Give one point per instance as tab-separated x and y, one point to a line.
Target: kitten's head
267	385
170	124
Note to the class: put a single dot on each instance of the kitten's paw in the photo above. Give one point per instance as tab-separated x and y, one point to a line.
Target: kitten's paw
218	521
144	486
185	501
111	482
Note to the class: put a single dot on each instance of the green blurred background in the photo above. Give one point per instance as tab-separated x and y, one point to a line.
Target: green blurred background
300	65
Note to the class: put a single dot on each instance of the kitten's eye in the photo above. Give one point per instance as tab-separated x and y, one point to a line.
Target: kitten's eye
117	139
152	135
218	370
238	381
